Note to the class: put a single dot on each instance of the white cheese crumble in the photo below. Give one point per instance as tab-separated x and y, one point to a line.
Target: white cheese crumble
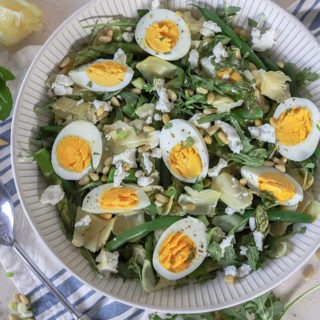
147	162
84	222
156	153
52	195
155	138
62	85
265	132
230	271
193	59
252	223
244	270
194	120
209	29
157	117
106	106
107	261
234	141
128	156
163	104
119	175
226	243
208	67
219	52
127	36
144	181
243	250
262	41
214	171
120	57
258	239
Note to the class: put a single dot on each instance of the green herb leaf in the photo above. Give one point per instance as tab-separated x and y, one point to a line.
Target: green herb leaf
305	76
6	101
188	142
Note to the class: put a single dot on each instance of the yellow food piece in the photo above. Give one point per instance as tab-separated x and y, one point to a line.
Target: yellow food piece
18	19
230	75
293	126
118	199
278	185
185	161
106	73
162	36
3	143
177	252
73	153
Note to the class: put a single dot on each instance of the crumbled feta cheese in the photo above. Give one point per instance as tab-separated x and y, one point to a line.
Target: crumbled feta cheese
229	211
60	90
84	222
163	104
120	57
194	121
149	120
265	132
139	173
119	175
139	253
214	171
230	271
63	80
156	153
157	117
219	52
262	41
155	139
144	181
62	85
258	239
252	223
128	156
193	59
52	194
244	270
234	143
226	243
243	251
102	104
147	162
208	67
107	261
127	36
209	29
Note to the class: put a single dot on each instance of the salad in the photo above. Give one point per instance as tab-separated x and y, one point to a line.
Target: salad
178	148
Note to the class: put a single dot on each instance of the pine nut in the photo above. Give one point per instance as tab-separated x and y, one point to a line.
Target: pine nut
202	131
284	159
280	167
162	198
172	95
209	111
273	122
268	163
136	91
243	181
144	148
229	279
189	92
65	61
212	130
207	139
83	181
106	216
277	160
24	299
165	118
202	90
115	102
148	129
189	207
126	166
3	143
110	32
223	137
100	112
280	64
16	297
106	169
104	178
257	122
308	272
210	97
108	161
93	176
105	39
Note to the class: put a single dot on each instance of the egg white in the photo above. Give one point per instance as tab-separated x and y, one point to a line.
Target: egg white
176	132
87	131
194	229
252	175
306	148
156	15
91	201
80	77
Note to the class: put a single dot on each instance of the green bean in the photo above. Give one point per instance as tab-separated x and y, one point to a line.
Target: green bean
235	40
253	114
288	70
212	117
289	216
140	231
269	63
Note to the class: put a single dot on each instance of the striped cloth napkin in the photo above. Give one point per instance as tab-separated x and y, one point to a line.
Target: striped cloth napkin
87	300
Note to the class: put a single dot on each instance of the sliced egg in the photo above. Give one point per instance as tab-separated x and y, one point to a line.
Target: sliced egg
180	249
163	33
110	199
102	75
297	132
184	151
76	150
286	190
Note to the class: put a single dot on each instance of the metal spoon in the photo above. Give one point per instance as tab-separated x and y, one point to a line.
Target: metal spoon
7	238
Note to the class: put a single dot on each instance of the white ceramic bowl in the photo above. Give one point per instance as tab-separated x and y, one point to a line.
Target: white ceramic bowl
294	43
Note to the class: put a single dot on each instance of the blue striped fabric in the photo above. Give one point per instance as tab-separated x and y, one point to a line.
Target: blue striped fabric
96	306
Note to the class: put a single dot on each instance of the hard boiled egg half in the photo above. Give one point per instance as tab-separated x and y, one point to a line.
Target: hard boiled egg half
184	151
286	190
76	150
102	75
110	199
180	249
297	132
163	33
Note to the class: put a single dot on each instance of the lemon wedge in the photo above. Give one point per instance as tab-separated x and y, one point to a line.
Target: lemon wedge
18	19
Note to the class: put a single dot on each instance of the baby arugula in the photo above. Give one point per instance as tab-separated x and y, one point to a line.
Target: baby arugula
6	101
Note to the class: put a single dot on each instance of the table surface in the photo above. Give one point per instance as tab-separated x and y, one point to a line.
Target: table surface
55	11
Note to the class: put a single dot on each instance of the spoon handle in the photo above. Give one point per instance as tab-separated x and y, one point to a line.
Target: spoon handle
26	259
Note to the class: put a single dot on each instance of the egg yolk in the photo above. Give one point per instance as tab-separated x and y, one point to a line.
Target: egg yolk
119	199
73	153
106	73
162	36
177	252
293	126
185	161
278	185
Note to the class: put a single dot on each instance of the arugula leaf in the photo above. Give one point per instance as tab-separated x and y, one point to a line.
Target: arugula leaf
304	76
253	257
6	101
